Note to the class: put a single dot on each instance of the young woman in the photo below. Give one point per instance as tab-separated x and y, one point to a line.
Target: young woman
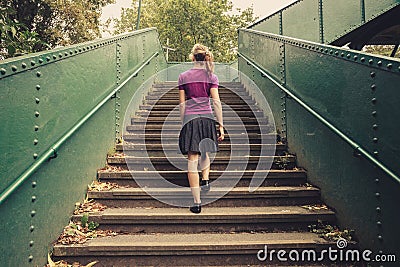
198	136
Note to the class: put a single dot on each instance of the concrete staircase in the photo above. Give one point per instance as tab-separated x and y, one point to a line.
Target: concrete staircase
228	232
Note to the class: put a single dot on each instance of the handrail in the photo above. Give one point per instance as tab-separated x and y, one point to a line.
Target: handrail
53	150
352	143
58	54
271	15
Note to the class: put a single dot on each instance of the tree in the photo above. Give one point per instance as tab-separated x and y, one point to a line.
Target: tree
55	23
75	21
15	38
186	22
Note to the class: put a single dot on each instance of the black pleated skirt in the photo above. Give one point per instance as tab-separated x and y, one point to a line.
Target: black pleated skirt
198	134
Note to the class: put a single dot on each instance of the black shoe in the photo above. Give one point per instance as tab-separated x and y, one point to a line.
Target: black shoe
205	185
196	208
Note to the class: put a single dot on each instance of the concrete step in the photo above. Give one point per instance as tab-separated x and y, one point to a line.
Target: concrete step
219	162
175	92
174	139
173	106
175	113
211	219
222	85
228	102
175	83
202	249
221	89
176	120
222	146
223	97
140	149
126	177
233	87
168	138
235	92
237	197
174	128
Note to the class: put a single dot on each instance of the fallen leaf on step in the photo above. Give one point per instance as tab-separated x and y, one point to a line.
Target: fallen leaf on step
89	206
315	207
50	262
71	234
102	186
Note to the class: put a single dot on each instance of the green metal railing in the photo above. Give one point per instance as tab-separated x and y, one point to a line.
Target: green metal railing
52	152
63	103
322	21
336	108
354	145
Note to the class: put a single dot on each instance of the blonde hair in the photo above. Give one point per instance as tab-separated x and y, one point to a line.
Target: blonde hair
202	54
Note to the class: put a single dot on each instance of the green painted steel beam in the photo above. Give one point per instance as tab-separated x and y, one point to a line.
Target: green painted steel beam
334	129
67	103
354	58
334	22
339	107
53	150
14	66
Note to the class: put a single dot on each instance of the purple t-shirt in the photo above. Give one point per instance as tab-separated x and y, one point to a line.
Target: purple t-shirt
197	85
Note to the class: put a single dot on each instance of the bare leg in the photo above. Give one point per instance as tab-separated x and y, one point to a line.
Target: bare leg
205	166
193	176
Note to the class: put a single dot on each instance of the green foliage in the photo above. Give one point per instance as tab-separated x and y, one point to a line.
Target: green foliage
75	21
92	226
331	233
283	161
186	22
15	38
85	219
31	26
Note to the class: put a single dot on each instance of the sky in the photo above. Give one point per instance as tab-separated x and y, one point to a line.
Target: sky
262	8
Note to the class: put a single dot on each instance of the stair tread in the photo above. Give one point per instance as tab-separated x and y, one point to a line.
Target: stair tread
210	242
134	193
240	160
127	143
175	114
220	157
147	173
237	190
272	171
171	148
175	93
172	106
174	213
118	175
177	134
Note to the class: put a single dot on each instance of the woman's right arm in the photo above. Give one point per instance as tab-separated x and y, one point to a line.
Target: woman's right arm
218	112
182	99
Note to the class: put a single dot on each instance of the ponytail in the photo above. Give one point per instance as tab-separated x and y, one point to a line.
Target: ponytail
209	61
201	53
